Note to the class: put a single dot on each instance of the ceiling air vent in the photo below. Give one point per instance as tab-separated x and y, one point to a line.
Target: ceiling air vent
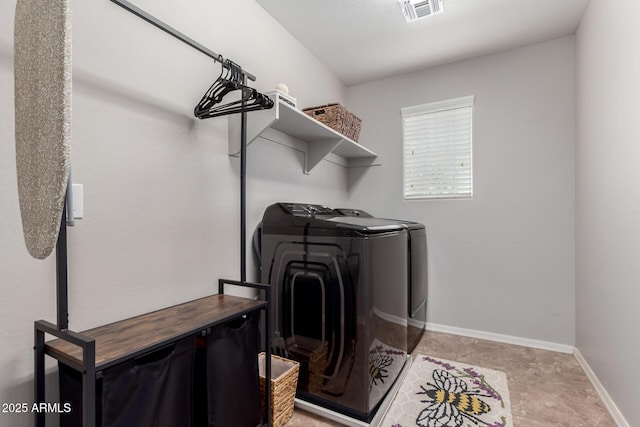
418	9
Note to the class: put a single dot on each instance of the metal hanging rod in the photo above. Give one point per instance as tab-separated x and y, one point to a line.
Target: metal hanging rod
175	33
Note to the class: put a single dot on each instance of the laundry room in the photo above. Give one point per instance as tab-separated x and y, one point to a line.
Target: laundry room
189	190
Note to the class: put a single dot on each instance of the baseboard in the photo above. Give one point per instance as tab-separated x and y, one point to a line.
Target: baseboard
602	392
507	339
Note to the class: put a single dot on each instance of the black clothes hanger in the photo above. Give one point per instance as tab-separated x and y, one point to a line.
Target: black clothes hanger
251	100
230	81
216	92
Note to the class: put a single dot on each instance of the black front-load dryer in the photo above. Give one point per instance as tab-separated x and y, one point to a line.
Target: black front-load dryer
336	280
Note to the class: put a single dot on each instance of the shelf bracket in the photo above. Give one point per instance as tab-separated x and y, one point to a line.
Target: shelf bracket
318	150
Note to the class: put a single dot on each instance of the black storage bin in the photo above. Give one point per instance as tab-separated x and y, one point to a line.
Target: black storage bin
153	390
233	391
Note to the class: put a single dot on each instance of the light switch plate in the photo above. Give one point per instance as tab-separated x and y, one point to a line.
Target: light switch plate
78	201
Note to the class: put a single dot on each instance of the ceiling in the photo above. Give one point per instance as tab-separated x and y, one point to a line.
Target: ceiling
365	40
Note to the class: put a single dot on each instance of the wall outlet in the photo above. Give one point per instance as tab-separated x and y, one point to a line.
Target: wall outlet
78	201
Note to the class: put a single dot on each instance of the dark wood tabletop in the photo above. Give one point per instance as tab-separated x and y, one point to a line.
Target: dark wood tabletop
131	337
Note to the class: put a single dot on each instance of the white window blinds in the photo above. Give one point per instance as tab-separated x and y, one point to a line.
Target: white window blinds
438	149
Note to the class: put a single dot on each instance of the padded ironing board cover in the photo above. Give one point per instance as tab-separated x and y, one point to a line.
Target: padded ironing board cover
42	63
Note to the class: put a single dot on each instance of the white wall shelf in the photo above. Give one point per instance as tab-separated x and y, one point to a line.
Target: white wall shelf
291	127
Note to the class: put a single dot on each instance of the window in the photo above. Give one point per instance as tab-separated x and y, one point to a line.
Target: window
438	150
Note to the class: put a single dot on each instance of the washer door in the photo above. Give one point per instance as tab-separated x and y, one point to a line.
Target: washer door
315	313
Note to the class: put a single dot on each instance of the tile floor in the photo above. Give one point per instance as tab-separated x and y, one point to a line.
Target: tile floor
546	388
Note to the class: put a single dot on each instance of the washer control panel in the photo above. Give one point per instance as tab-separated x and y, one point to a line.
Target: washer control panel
306	210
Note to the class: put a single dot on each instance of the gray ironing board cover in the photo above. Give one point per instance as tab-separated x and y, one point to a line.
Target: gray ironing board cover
42	65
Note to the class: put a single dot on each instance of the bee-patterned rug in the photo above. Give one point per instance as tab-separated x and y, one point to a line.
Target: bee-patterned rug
442	393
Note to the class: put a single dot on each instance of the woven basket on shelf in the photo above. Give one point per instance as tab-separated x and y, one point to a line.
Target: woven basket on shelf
284	380
337	118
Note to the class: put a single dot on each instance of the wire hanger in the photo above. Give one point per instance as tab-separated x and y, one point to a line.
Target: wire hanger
231	79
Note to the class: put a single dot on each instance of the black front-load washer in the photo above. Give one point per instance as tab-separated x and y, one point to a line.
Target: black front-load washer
336	281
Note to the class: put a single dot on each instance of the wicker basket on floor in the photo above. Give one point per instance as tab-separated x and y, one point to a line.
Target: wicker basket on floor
284	380
337	118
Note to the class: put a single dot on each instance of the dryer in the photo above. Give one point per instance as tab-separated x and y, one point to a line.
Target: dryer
335	279
417	274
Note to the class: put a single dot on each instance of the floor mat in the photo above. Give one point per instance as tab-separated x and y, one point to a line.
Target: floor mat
443	393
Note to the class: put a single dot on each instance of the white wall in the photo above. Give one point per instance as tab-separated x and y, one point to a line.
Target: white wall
161	194
608	198
502	262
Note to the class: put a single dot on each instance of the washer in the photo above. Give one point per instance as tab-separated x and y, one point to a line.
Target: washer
336	281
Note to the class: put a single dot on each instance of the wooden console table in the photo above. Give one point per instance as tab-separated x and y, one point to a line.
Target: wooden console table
91	351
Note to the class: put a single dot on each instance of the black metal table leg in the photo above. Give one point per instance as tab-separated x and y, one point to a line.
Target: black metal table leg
38	373
89	385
